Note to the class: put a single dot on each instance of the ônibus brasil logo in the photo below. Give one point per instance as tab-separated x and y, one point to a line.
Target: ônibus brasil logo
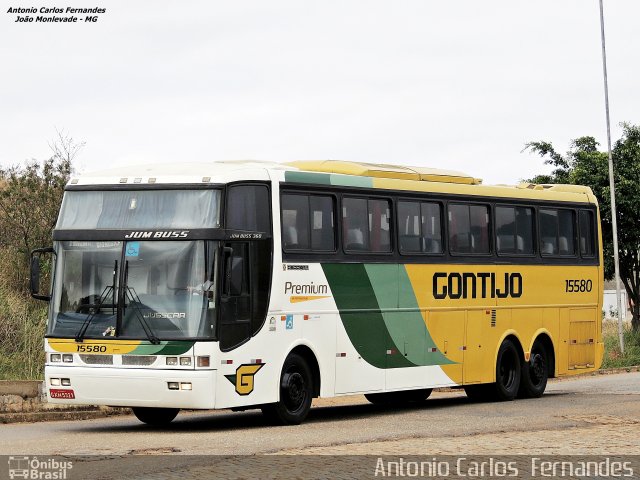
36	468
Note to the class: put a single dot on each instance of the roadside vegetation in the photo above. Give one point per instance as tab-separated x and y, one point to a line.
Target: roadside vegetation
30	197
612	356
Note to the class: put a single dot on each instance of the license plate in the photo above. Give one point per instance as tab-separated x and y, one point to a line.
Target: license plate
60	393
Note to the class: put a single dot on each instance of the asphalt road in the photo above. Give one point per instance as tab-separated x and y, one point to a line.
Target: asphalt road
587	415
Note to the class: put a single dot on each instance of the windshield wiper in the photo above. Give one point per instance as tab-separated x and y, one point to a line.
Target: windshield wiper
134	300
109	289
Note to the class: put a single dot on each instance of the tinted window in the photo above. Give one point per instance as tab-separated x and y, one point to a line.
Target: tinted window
308	222
469	228
366	225
248	208
419	227
379	231
322	223
587	235
295	222
514	230
557	232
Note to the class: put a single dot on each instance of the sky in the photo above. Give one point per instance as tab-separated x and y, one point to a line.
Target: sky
458	84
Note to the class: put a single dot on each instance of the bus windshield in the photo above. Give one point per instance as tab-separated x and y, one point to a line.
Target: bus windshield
139	209
144	290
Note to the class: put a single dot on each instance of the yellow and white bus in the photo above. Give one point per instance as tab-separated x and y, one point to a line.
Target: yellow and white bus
260	285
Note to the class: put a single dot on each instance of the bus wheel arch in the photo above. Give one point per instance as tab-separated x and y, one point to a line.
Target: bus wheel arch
298	382
312	362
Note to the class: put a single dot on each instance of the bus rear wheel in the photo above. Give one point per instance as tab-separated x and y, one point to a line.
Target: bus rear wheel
535	372
398	398
296	393
155	416
508	372
508	376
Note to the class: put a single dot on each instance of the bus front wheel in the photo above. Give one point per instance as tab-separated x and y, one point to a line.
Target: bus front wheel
296	393
155	416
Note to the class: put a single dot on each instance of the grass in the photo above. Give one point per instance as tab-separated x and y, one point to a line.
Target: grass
22	328
612	356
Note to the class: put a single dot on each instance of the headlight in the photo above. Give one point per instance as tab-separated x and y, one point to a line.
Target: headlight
172	361
55	357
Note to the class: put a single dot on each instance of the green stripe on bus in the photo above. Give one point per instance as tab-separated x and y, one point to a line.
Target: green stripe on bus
361	316
328	179
163	348
402	316
305	177
413	321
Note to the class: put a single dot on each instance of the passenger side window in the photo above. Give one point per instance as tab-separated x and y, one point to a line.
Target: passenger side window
366	225
587	233
469	229
557	232
419	229
308	223
514	230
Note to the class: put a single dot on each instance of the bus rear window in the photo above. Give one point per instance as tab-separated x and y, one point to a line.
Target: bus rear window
587	235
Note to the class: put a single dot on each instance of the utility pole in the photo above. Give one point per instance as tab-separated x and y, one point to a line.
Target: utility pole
612	186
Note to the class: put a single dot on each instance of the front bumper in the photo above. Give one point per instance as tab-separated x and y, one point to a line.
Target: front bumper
133	387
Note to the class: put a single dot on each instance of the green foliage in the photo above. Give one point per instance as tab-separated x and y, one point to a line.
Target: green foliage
30	198
612	356
584	164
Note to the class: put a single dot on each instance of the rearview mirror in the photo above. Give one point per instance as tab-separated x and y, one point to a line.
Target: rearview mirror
34	274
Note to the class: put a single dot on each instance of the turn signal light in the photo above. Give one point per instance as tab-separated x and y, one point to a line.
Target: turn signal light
203	361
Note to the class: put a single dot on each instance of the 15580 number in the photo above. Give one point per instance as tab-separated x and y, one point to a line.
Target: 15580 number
92	348
578	285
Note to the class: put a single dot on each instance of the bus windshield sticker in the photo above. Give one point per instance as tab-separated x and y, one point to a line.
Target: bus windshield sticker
133	249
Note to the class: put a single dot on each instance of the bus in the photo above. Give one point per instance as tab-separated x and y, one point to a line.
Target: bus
237	285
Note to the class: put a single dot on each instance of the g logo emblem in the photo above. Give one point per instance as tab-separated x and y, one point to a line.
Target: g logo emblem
243	379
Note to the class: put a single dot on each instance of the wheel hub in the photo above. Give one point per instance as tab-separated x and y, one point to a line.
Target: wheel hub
293	386
537	367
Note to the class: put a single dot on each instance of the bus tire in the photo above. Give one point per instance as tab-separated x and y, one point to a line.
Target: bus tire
399	398
296	393
156	417
508	373
535	372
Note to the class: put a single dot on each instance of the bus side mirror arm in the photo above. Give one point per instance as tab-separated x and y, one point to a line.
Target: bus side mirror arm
34	274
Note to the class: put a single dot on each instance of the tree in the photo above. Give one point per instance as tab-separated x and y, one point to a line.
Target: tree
584	164
30	198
